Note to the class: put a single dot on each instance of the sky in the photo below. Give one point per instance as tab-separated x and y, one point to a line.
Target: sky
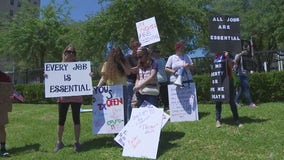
80	8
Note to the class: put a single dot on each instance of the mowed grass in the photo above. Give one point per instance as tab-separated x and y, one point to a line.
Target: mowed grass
31	134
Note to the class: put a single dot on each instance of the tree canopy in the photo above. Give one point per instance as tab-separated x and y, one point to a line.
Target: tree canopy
33	40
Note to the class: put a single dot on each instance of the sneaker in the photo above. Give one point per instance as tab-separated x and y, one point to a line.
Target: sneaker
58	146
252	105
239	124
238	104
77	146
4	153
218	124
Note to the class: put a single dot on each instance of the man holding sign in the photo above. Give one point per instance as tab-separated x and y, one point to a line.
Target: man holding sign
67	92
229	63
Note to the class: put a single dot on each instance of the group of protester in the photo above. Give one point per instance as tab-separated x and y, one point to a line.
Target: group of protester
142	68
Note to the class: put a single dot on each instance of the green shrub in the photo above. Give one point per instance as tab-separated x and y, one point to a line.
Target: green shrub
34	94
264	87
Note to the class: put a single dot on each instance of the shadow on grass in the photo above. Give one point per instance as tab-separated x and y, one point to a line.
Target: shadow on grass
98	143
166	139
30	147
243	120
203	114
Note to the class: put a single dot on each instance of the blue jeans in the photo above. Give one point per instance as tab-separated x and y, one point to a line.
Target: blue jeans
231	102
151	99
128	110
243	88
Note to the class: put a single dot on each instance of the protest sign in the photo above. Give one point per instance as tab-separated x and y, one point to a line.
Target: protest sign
219	82
143	133
67	79
122	135
183	103
224	34
165	117
147	31
108	109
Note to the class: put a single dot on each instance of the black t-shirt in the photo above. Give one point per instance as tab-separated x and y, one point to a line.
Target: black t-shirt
132	60
4	77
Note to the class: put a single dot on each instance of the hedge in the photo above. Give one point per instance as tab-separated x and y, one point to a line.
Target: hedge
264	87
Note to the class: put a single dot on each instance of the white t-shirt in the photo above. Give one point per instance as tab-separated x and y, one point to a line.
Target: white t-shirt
175	62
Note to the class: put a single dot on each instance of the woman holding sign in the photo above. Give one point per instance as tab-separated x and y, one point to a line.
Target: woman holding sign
68	55
146	86
114	72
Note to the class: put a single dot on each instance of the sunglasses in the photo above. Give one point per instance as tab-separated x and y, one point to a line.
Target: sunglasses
70	52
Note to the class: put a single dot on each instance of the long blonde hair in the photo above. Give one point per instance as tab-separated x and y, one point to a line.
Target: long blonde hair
70	46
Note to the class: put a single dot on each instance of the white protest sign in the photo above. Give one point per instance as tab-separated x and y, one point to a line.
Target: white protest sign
143	133
67	79
108	112
147	31
183	103
122	135
165	117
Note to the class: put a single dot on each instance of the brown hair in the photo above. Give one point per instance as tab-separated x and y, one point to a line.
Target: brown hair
146	53
132	42
113	66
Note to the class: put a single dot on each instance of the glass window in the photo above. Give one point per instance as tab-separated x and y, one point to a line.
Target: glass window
12	2
19	4
11	12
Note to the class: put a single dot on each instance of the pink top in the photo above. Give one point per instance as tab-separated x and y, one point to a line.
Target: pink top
76	99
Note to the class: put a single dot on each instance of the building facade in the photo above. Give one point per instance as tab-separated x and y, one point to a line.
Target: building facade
11	7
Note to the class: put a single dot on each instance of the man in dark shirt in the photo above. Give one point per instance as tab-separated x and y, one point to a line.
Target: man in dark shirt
5	106
131	78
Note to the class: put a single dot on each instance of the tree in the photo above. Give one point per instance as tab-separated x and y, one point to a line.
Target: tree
32	40
260	19
176	19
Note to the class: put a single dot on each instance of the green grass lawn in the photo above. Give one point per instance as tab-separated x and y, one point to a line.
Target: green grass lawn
31	134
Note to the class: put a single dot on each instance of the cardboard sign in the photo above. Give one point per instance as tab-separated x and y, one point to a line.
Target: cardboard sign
224	34
122	135
143	133
108	109
147	31
219	82
68	79
183	103
6	90
165	117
